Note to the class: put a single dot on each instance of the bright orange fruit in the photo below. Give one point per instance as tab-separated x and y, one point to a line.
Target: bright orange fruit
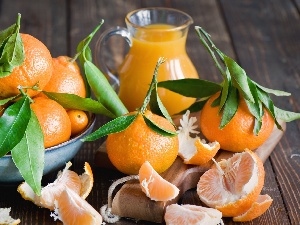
130	148
53	119
238	134
233	185
192	215
36	69
79	121
154	186
66	77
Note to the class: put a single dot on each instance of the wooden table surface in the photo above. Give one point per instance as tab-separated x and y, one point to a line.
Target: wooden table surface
262	35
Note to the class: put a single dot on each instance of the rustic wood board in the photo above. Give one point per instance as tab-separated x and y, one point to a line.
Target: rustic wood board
131	202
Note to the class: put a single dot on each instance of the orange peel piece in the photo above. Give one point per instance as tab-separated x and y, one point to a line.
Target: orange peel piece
194	150
6	219
258	208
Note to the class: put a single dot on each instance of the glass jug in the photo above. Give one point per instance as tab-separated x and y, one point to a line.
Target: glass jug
151	33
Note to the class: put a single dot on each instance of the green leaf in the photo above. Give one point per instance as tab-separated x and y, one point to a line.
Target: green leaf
13	124
286	116
28	155
255	107
268	103
116	125
6	100
191	87
239	78
195	107
272	91
226	86
103	90
71	101
11	49
158	107
158	129
230	107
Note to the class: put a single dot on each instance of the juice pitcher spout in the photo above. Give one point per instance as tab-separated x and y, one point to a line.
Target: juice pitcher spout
101	54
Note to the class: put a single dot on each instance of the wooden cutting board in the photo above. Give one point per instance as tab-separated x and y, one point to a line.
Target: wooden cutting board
131	202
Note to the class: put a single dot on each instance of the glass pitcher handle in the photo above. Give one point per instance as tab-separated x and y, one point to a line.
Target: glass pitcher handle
100	58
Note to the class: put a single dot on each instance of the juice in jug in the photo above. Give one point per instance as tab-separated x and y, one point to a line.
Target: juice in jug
148	45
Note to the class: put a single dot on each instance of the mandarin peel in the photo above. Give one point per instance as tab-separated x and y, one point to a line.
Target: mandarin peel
194	150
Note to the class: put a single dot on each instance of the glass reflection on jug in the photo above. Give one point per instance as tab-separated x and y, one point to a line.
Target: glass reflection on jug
151	33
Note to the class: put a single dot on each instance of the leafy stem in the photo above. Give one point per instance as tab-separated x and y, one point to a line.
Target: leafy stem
122	122
235	85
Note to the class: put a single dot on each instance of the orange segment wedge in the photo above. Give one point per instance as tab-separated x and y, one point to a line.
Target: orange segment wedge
194	150
191	214
154	186
258	208
6	219
234	184
70	208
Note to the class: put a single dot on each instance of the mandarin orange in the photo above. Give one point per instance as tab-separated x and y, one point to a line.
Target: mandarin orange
79	120
66	77
36	69
130	148
53	119
238	134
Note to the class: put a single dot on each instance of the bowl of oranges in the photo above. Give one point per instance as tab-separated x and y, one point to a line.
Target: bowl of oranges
55	156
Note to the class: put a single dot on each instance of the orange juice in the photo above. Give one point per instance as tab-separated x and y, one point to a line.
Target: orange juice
136	72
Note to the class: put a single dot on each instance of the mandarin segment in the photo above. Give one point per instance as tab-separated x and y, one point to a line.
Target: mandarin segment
130	148
154	186
70	208
233	185
238	134
53	119
192	214
259	207
66	77
35	70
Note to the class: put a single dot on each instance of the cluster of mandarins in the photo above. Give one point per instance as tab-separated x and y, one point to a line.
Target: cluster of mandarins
59	75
